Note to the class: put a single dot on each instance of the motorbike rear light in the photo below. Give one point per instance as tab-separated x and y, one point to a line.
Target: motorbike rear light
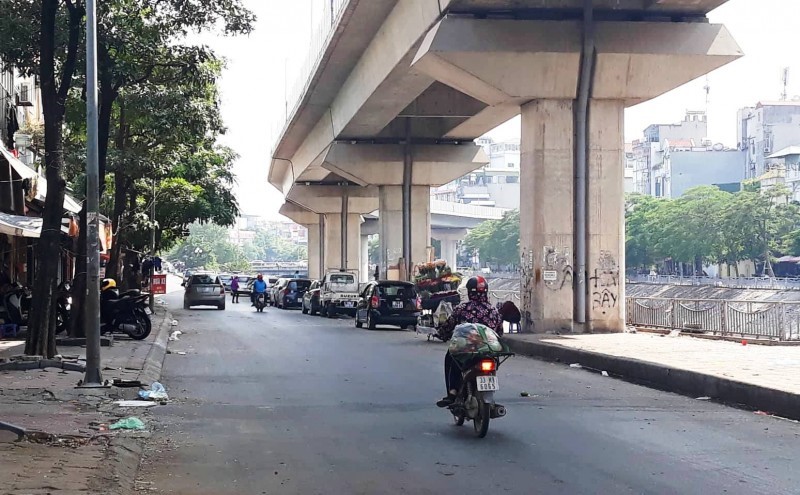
488	365
375	302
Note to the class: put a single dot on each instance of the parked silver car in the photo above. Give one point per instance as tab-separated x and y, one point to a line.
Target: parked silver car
204	289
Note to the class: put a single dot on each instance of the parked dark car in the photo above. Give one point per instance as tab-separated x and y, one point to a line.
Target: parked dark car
388	302
291	296
311	299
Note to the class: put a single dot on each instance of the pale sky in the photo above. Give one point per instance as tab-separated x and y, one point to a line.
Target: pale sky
260	68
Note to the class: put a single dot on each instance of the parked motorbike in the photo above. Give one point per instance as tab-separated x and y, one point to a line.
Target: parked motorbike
127	313
261	302
64	302
17	305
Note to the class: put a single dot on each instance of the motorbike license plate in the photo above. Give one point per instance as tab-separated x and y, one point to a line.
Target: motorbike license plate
147	310
487	384
348	305
397	305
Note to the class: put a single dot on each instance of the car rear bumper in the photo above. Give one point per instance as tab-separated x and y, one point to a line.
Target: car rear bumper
394	320
214	300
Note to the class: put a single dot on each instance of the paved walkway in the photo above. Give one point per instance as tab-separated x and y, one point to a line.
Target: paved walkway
773	367
46	400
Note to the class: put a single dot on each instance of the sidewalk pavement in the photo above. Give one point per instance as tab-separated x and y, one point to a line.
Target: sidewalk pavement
755	376
66	452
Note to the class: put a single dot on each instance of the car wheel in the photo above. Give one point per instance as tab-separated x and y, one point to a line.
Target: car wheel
370	321
358	322
330	312
186	305
221	307
314	310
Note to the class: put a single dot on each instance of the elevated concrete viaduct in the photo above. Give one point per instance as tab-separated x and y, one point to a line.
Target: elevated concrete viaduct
403	87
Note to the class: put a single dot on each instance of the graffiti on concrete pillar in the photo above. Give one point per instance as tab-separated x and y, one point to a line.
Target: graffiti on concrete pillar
528	282
557	268
604	283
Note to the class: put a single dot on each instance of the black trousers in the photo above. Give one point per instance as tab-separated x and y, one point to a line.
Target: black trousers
235	296
452	373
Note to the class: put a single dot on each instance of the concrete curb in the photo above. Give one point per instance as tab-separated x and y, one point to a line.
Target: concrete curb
691	383
154	362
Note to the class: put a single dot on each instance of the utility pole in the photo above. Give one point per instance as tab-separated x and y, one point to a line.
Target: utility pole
92	378
153	245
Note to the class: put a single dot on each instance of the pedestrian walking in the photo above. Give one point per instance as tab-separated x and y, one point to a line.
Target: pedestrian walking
235	290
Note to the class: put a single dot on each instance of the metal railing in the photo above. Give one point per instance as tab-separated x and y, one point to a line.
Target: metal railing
320	37
732	282
496	296
745	319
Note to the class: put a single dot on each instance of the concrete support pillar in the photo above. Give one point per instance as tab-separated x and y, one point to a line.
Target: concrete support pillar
364	271
546	205
342	245
390	202
606	220
450	251
314	250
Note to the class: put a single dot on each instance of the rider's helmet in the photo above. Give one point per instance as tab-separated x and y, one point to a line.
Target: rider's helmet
108	283
477	286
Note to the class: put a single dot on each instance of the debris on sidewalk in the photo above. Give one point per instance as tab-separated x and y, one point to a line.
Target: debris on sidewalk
156	392
575	365
703	398
17	430
174	335
604	373
126	383
135	403
174	323
675	333
524	394
132	423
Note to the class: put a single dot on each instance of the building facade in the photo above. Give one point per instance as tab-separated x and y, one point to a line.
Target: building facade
765	129
648	151
496	184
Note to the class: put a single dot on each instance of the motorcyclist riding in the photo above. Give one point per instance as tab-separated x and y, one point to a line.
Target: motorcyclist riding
476	310
259	287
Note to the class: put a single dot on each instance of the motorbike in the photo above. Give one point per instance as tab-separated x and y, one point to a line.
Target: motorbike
475	399
127	313
64	302
17	304
261	302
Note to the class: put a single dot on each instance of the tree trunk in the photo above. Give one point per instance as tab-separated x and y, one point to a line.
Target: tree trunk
121	185
41	339
76	326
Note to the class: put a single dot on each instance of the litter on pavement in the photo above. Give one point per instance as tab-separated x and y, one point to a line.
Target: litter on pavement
174	335
132	423
575	365
174	323
703	398
604	373
134	403
156	392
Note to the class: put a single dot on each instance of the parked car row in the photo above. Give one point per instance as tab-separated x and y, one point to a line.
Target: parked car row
385	302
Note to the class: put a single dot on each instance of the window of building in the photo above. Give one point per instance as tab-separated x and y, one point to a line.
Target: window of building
512	179
511	164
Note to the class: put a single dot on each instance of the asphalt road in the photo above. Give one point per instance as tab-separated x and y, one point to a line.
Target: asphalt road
281	403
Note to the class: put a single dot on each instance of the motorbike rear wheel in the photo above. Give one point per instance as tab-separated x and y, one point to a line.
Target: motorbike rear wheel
481	421
143	326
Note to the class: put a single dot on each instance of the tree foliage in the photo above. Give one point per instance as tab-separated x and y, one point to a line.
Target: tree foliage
497	241
708	226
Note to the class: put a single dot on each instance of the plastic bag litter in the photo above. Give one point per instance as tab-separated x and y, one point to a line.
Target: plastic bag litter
604	373
575	365
156	392
132	423
442	313
174	336
174	323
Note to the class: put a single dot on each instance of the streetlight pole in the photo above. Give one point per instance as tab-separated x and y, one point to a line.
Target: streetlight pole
92	378
153	245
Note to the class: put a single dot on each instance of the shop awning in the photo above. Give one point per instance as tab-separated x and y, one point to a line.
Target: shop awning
25	172
19	226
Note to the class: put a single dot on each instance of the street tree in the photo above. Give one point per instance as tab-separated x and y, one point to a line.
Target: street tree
497	241
42	38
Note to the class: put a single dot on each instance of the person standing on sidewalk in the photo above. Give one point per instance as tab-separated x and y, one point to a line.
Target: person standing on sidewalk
235	290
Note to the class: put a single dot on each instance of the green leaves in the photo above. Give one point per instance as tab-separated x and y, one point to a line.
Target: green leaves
708	225
497	241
